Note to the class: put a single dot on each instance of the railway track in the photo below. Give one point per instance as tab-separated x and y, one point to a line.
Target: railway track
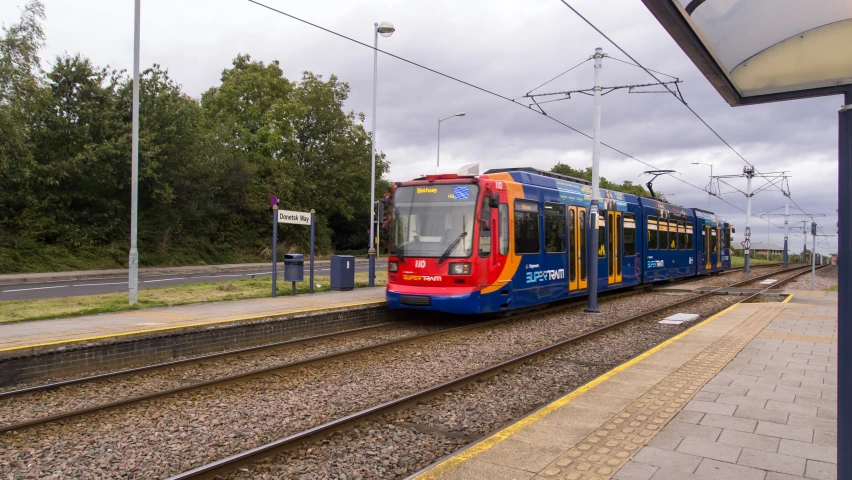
230	463
197	381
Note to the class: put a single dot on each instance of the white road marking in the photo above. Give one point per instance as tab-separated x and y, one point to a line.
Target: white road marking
98	284
164	280
34	288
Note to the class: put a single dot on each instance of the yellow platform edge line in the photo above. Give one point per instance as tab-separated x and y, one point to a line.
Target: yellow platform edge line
486	444
787	300
190	325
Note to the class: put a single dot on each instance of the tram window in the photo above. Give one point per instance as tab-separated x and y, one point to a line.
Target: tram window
485	230
527	235
653	234
504	228
629	235
681	236
689	244
663	243
554	228
601	236
714	240
728	238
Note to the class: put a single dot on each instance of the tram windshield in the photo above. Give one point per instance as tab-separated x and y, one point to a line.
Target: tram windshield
434	220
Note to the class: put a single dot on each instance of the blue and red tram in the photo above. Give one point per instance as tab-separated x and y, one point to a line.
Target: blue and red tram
513	238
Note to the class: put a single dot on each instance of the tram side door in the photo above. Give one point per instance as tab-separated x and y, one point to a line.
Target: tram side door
614	244
707	262
576	248
719	246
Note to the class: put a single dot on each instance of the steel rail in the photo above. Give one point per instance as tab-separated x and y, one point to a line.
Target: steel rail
185	361
300	363
228	464
226	353
221	381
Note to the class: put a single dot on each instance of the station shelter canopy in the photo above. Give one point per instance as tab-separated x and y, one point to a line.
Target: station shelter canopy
755	51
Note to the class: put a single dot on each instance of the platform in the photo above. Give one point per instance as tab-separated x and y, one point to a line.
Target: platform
748	394
24	335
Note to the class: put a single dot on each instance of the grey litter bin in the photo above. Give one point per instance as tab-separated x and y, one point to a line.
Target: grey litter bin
294	267
342	272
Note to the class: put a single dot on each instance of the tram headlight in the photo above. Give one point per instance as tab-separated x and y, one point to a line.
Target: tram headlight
459	269
393	266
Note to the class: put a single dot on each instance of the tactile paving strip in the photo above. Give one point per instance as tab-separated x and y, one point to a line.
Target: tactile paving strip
798	337
600	455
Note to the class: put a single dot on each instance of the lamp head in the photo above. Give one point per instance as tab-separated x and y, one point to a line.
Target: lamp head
460	114
386	29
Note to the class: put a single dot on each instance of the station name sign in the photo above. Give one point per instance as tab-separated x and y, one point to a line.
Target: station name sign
296	218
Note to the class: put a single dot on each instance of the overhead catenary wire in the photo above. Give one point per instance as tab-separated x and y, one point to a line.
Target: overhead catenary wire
485	90
563	73
650	72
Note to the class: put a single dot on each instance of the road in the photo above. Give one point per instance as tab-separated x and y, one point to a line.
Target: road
31	291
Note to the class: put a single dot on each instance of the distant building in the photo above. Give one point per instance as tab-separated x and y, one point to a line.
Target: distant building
760	248
834	259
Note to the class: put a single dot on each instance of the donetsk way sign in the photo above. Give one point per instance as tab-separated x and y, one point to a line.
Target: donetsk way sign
295	218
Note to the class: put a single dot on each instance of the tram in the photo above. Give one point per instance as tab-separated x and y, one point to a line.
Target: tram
514	238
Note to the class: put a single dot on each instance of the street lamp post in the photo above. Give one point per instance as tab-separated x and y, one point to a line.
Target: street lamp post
710	188
133	257
386	30
460	114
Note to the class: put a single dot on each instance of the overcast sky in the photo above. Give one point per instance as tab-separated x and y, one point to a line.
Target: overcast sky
506	47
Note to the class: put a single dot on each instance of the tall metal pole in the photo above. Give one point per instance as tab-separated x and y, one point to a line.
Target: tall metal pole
768	235
371	253
133	261
710	195
786	233
844	299
439	143
813	256
749	172
592	297
313	222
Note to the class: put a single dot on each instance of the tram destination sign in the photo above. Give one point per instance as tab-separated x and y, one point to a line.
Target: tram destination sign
296	218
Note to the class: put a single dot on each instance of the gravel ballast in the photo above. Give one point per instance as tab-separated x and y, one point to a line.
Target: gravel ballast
397	444
164	436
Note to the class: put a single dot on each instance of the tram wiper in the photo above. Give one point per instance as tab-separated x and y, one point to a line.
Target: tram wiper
451	247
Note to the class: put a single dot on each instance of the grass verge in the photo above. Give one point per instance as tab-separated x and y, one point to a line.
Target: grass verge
740	261
832	288
12	311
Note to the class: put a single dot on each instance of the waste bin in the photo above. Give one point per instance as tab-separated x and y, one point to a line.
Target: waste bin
294	267
342	272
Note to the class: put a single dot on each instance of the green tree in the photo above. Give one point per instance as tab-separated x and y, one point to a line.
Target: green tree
20	95
206	168
626	187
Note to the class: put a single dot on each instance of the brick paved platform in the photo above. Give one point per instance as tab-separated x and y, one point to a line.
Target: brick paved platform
748	394
16	336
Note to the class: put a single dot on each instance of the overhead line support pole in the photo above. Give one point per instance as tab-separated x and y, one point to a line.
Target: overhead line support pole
592	254
813	255
749	173
786	233
133	260
844	299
